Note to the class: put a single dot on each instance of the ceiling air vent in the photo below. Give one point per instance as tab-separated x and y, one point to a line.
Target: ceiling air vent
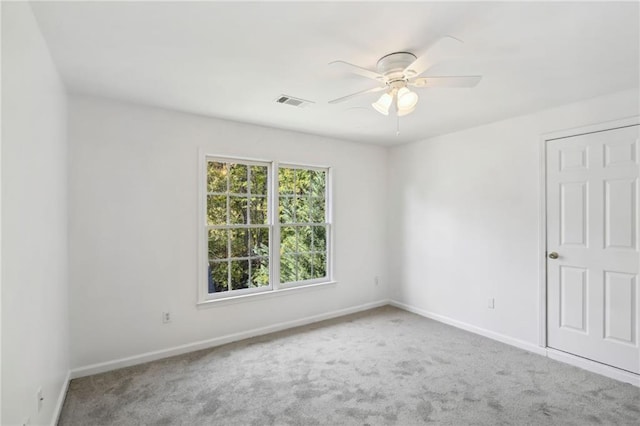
295	102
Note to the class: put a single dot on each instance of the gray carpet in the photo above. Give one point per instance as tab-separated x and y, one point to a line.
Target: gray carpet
384	366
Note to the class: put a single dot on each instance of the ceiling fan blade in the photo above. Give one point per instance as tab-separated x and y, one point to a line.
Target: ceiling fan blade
359	70
440	49
461	81
344	98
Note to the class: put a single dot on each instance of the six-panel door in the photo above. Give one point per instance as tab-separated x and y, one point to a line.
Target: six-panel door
592	224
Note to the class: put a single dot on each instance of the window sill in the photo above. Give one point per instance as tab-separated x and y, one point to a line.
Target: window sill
263	295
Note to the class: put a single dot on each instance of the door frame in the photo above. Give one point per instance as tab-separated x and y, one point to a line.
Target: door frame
542	253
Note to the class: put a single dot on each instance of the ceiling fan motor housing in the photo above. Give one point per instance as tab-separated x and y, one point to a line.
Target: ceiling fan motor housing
392	66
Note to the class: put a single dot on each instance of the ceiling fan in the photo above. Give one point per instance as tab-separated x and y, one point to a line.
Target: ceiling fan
398	71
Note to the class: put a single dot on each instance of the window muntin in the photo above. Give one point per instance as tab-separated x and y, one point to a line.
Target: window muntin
238	226
264	221
302	214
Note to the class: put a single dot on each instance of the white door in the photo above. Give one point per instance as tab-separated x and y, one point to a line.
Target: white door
593	297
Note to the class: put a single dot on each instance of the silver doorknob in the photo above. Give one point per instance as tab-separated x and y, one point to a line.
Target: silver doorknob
553	255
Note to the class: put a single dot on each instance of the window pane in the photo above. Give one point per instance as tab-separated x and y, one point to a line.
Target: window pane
239	274
259	180
218	278
286	210
238	210
319	266
259	272
239	243
304	267
258	210
302	210
287	239
216	210
287	268
216	177
259	241
318	183
218	244
317	210
304	238
319	238
238	178
302	182
286	181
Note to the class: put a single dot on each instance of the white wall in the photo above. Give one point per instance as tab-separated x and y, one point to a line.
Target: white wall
35	338
465	221
133	229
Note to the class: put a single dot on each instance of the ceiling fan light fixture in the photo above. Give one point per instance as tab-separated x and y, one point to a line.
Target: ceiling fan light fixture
405	111
382	105
407	100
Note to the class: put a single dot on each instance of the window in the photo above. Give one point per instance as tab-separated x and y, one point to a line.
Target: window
238	226
303	224
266	227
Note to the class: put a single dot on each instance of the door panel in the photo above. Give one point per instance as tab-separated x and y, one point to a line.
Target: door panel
573	298
573	213
620	213
619	310
621	153
574	158
592	223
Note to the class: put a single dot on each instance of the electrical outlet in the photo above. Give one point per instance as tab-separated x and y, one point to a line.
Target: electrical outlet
491	303
166	317
40	399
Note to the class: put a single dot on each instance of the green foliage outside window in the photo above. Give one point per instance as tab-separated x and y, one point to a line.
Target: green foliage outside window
302	214
238	256
238	225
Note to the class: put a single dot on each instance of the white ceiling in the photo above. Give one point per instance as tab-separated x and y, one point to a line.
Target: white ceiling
232	60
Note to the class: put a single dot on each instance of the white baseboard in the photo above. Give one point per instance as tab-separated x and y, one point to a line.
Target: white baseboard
594	367
60	402
472	328
217	341
585	364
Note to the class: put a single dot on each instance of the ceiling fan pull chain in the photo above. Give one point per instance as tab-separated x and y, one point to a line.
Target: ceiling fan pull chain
397	125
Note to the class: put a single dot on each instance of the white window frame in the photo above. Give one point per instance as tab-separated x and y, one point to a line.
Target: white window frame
203	212
327	217
273	223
